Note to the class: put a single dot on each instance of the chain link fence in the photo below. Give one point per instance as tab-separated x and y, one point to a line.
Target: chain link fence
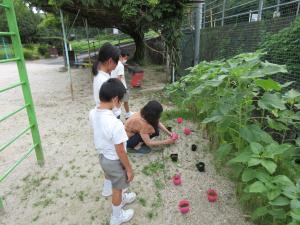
231	27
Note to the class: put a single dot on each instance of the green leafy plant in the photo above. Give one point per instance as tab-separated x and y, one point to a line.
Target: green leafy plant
255	124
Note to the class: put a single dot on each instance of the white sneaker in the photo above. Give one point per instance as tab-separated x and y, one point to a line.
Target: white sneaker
128	198
125	216
129	114
106	192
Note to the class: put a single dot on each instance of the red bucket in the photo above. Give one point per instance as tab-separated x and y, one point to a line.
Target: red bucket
137	78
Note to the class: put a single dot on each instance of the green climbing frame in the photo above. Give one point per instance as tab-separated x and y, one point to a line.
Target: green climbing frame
18	57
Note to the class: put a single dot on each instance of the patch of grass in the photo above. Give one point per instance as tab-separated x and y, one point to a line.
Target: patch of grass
142	201
151	214
54	177
175	113
43	203
158	201
153	168
82	176
105	223
81	195
97	199
158	184
35	218
66	173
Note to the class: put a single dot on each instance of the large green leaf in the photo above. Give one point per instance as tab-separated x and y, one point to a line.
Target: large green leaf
215	82
274	149
295	204
248	174
259	212
253	133
271	101
257	187
276	125
274	193
268	85
241	158
298	141
291	94
291	192
254	162
295	215
283	181
269	165
256	148
271	68
223	151
280	201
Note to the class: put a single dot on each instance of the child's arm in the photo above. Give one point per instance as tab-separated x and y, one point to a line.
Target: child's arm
124	160
161	126
147	140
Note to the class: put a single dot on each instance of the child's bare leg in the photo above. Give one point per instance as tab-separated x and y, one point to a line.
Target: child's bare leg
126	106
116	197
137	147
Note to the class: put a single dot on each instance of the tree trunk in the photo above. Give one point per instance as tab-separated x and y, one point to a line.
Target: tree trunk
139	55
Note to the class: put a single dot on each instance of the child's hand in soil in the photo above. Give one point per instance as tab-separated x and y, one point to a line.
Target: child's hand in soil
130	175
170	141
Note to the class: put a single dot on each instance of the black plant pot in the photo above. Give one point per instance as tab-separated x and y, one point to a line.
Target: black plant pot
194	147
297	161
200	166
169	129
174	157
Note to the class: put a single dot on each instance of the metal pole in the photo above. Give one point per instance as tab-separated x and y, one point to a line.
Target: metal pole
277	8
298	8
260	9
66	51
197	33
223	12
88	39
204	12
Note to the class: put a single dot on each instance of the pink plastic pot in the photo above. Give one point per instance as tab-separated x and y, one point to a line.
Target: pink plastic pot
212	195
174	136
184	206
177	179
179	120
187	131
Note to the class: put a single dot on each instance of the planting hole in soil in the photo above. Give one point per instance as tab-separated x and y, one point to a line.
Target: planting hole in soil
201	166
169	129
187	131
297	161
212	195
174	157
194	147
179	120
177	179
184	206
174	136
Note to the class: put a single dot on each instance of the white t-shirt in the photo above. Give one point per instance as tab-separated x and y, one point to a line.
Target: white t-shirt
108	131
119	71
99	79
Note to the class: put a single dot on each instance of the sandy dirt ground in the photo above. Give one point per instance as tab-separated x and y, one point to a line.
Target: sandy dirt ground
66	190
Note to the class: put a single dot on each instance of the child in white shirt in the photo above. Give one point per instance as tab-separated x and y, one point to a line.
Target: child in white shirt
110	141
119	73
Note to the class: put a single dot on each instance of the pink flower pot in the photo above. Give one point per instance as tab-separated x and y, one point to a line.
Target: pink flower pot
174	136
177	179
187	131
212	195
179	120
184	206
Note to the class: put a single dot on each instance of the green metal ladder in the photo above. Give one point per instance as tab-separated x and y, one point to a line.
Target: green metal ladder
18	57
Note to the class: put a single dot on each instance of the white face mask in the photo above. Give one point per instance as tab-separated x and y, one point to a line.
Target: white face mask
123	61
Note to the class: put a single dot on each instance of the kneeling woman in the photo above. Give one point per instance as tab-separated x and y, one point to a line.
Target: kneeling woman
144	125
